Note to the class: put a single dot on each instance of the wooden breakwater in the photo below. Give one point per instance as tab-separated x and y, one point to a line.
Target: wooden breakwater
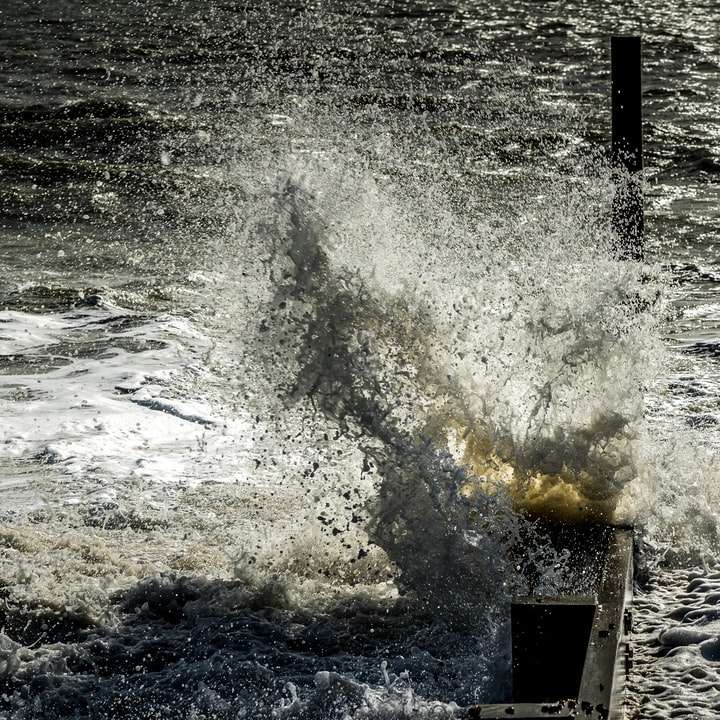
571	654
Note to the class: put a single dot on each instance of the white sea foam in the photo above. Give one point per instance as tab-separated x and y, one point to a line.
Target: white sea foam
101	409
393	375
676	645
383	370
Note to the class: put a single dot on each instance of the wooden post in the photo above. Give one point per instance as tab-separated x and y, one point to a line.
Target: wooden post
592	682
628	217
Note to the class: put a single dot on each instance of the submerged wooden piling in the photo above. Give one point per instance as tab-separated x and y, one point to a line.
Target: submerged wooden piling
628	216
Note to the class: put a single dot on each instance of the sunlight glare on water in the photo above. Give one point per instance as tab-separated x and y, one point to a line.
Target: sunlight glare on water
310	323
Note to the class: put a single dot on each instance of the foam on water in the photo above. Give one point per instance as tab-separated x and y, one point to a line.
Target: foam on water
309	486
108	427
676	645
444	371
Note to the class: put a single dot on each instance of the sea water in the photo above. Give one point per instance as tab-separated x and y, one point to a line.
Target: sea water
310	319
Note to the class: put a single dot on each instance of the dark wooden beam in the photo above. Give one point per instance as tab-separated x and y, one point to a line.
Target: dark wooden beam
628	215
605	661
602	687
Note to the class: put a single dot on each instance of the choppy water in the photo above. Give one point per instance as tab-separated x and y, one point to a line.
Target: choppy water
307	313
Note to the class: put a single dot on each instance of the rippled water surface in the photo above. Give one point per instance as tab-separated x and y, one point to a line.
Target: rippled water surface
310	323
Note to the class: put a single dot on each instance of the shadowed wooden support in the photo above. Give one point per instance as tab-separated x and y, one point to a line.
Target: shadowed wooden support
609	655
546	635
563	623
628	215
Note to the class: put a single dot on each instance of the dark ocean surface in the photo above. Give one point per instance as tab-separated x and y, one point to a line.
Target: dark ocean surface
308	322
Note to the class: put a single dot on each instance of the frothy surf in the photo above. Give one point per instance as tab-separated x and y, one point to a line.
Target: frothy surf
478	374
305	478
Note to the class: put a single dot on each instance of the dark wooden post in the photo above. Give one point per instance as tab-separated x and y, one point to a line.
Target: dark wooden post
628	217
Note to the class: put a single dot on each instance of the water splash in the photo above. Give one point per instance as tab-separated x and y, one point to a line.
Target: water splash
490	365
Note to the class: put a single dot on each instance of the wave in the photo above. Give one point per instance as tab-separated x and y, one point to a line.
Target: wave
94	109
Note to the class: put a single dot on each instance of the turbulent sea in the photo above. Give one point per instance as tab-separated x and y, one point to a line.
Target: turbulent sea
310	323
